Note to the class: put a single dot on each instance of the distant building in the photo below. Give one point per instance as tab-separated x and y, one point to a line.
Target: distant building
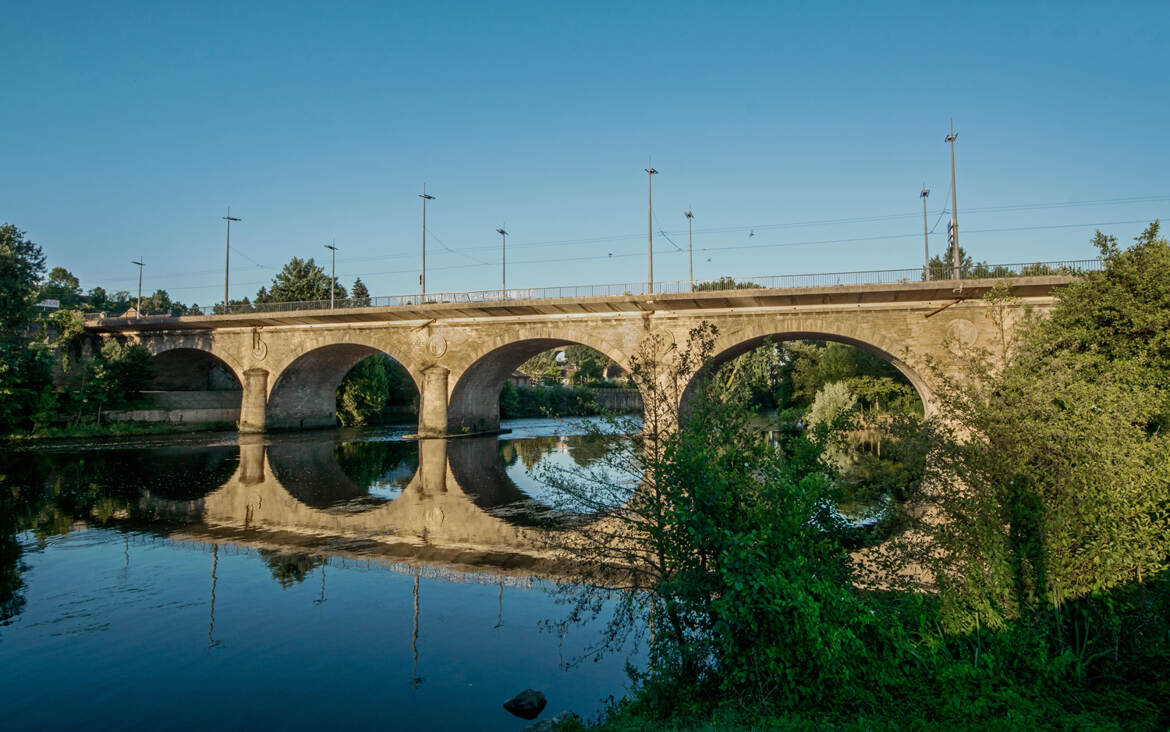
519	378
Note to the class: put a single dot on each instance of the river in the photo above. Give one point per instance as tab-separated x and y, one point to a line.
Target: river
337	578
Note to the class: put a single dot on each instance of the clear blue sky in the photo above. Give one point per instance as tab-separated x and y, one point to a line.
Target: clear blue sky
129	129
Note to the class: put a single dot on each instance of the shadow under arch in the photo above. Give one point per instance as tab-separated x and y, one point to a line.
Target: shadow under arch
305	392
474	404
739	348
192	369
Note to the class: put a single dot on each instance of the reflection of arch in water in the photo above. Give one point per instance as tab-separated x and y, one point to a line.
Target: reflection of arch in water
728	347
310	472
305	392
476	466
432	511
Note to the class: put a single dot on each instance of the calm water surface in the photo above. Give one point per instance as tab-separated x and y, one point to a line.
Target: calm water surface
337	578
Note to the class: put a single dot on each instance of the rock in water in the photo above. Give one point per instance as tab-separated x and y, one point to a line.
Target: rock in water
526	704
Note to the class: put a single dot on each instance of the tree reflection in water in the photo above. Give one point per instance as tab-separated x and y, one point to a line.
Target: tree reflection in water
45	494
290	569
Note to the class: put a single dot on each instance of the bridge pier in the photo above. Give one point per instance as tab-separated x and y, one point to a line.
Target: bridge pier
432	412
432	466
254	405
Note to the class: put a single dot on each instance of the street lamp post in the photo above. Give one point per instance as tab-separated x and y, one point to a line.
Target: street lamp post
332	271
138	310
422	278
650	173
925	235
503	263
954	206
227	257
690	245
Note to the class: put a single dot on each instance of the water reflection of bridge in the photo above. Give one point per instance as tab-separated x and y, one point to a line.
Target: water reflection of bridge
293	496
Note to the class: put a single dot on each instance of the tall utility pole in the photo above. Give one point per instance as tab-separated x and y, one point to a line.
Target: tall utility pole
332	271
925	235
503	263
690	244
422	278
227	257
138	310
650	173
954	207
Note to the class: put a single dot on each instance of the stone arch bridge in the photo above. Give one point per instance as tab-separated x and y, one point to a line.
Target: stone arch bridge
285	367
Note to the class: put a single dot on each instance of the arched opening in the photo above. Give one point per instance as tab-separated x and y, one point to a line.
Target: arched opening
859	403
775	340
539	377
306	394
191	385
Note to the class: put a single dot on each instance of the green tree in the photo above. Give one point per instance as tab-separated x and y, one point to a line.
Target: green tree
724	283
111	379
160	301
360	294
61	285
363	392
237	306
815	365
370	387
1060	446
758	377
301	280
588	370
97	300
21	265
509	401
25	375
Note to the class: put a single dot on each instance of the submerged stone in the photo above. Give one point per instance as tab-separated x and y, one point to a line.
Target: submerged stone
527	704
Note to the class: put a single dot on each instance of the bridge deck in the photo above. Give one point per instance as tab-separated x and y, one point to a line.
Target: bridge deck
902	292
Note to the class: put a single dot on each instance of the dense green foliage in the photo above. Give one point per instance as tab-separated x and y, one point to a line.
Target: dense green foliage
300	280
376	389
546	401
942	267
359	295
1059	435
724	283
21	265
1031	589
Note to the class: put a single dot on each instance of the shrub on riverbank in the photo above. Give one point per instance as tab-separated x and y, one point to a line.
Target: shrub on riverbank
546	401
1044	600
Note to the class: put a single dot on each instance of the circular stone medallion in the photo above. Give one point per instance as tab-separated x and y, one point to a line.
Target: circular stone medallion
963	332
436	345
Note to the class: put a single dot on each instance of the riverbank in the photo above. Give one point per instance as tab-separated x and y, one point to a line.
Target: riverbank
114	429
1026	674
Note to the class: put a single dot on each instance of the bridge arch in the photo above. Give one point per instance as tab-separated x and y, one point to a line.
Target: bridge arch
304	393
192	381
474	403
193	369
731	345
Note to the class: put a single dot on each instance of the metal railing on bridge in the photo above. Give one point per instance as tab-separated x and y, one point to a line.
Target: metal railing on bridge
824	279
